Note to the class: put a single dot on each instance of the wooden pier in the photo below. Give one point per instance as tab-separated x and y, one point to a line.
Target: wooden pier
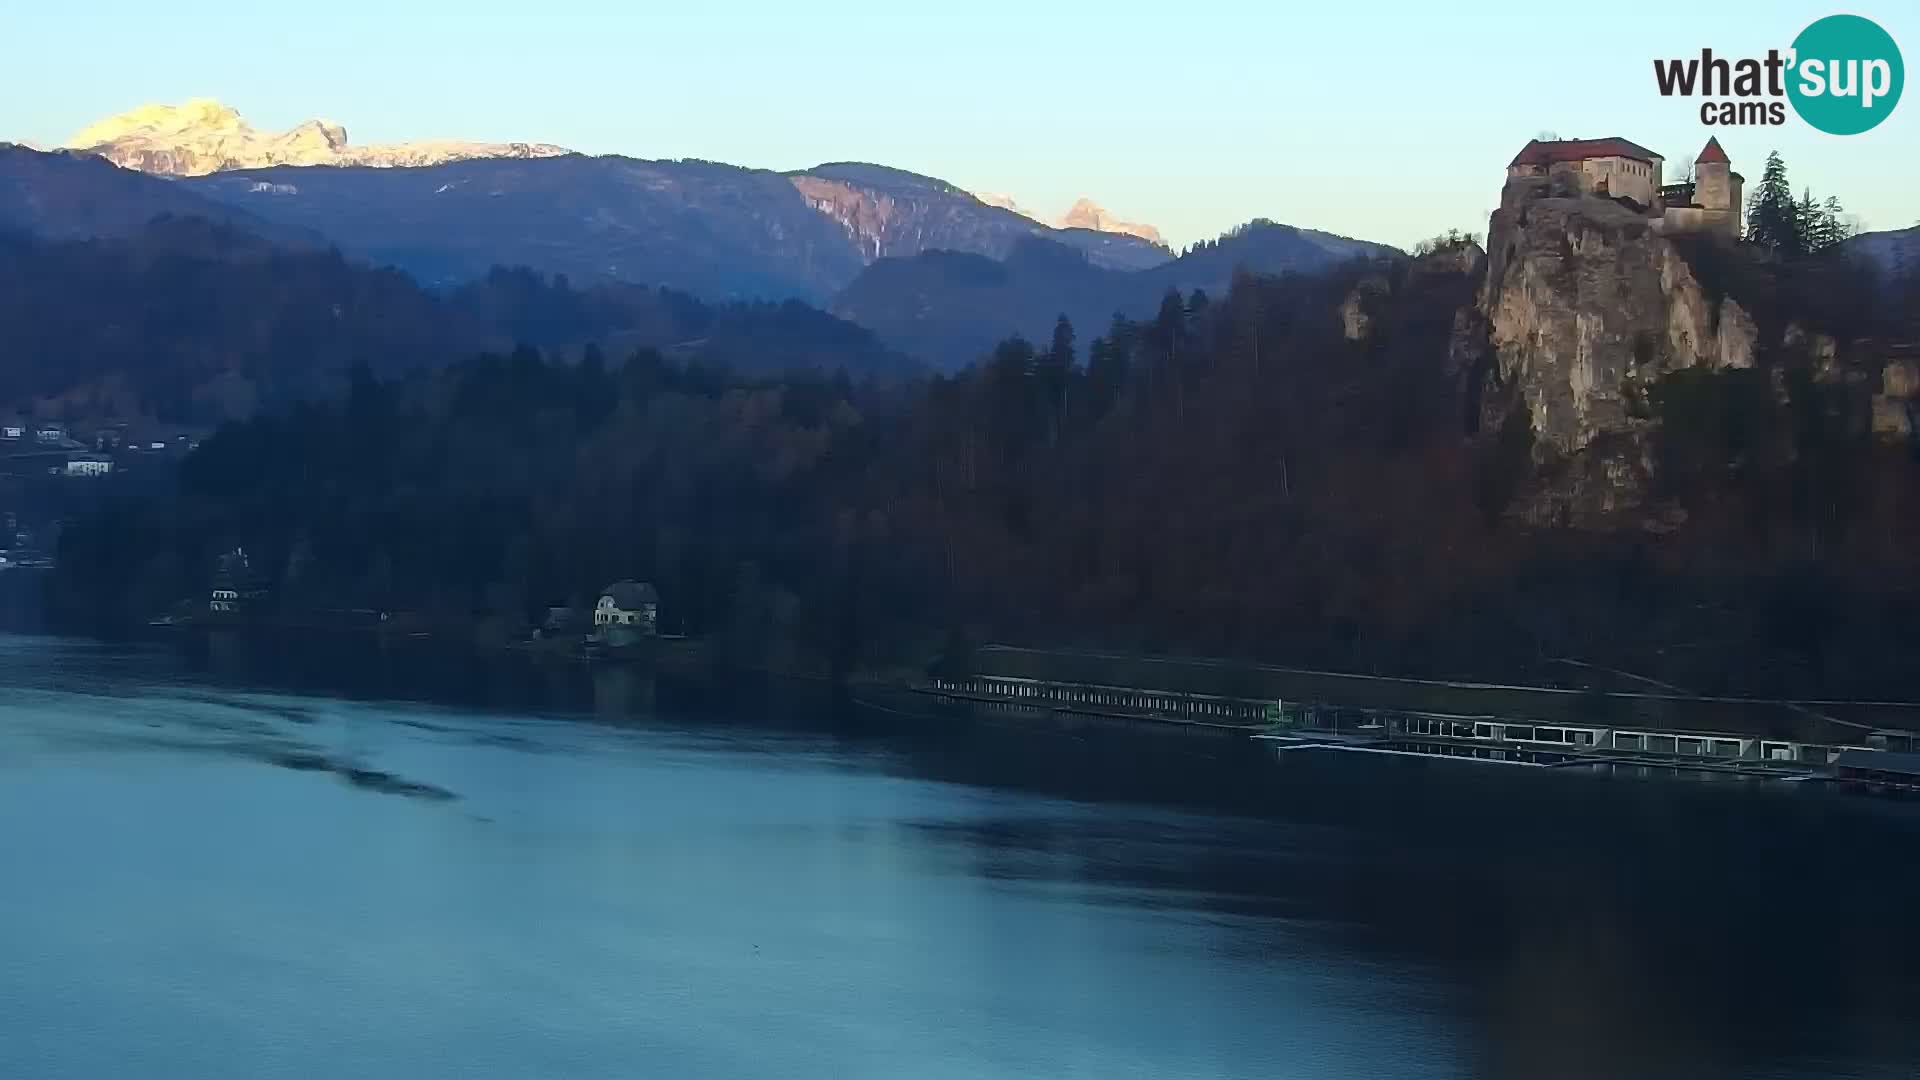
1787	741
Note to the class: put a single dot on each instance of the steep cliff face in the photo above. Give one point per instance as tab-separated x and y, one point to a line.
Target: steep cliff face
877	224
887	212
1586	306
203	136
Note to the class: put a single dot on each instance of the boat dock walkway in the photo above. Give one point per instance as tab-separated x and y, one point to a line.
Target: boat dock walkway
1538	726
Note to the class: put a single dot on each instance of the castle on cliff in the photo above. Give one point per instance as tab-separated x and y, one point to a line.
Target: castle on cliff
1709	201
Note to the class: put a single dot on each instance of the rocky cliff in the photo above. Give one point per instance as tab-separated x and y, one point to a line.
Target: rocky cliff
1083	214
1087	214
203	136
888	212
1600	332
1585	306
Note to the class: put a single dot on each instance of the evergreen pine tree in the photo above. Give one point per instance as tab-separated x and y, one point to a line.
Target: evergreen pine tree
1056	370
1061	353
1807	227
1834	221
1770	209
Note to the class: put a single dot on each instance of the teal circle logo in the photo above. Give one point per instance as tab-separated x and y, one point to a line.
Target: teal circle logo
1846	74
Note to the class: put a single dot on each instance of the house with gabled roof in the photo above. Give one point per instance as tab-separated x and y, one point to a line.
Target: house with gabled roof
626	612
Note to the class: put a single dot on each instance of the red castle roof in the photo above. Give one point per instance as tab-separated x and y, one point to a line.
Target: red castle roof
1537	152
1712	155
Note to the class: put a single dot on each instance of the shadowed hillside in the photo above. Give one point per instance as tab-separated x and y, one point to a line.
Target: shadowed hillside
717	231
187	319
950	308
74	196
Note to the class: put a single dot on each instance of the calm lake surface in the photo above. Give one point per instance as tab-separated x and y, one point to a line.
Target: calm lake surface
214	865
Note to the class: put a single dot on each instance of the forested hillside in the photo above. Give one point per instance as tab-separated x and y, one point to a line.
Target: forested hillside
67	196
1291	470
191	321
188	320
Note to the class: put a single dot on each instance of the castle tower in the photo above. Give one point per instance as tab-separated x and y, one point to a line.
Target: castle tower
1717	190
1713	178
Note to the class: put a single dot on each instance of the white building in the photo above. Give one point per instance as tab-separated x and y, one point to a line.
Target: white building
627	610
89	465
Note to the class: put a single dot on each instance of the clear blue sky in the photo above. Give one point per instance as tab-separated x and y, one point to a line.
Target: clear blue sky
1384	121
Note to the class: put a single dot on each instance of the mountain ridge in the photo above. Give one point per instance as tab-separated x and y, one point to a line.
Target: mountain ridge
949	308
65	195
202	136
1083	214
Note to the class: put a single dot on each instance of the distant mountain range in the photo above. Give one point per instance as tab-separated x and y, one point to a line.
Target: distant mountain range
932	270
881	211
716	230
204	136
1083	214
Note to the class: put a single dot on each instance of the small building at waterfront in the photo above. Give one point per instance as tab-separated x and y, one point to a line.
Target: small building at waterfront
89	464
626	612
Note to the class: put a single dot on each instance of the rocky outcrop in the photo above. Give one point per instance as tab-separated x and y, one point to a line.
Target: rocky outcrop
1586	306
1083	214
203	136
888	212
1087	214
1357	311
875	222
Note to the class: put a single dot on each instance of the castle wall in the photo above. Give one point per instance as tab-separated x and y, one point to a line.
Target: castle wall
1691	219
1622	177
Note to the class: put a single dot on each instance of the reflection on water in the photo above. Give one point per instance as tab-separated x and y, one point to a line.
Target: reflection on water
237	863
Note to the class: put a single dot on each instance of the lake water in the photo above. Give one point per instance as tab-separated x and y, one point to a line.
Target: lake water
216	866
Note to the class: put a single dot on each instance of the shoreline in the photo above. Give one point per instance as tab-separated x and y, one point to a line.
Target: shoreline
1872	757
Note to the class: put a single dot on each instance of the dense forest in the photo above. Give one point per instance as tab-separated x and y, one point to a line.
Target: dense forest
1238	475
